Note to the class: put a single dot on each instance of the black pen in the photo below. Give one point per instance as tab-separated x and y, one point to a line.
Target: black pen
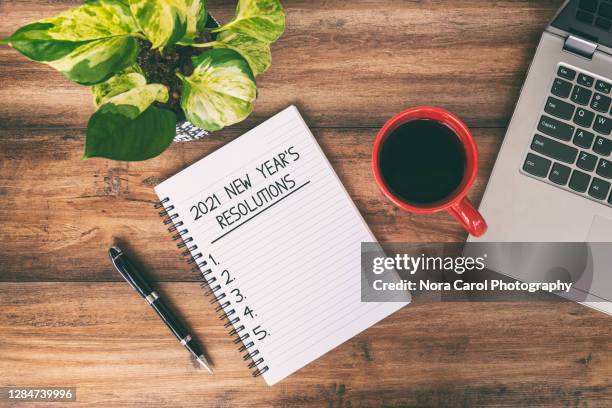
129	272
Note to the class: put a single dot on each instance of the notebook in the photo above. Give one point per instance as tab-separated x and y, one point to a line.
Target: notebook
276	239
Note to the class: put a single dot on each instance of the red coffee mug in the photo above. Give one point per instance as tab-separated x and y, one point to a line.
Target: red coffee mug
457	204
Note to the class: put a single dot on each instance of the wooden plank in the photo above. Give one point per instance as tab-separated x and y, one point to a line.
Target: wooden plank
104	340
60	213
348	66
345	63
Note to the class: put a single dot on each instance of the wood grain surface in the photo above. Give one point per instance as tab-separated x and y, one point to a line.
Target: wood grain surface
67	320
110	346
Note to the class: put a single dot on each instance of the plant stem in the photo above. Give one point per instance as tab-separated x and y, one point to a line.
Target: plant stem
222	28
206	45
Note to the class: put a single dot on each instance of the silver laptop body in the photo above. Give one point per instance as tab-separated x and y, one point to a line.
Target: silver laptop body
552	181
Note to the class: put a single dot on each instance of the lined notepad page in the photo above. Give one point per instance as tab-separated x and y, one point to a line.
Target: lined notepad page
282	237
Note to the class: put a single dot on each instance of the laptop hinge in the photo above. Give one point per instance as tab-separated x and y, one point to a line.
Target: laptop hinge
580	46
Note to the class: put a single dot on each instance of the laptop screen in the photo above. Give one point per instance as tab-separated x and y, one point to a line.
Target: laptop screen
590	19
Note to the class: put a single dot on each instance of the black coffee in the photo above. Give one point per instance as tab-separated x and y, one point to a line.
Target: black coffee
422	162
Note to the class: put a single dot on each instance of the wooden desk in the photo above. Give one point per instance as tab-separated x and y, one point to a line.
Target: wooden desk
66	319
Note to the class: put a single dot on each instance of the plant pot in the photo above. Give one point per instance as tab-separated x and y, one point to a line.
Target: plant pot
185	130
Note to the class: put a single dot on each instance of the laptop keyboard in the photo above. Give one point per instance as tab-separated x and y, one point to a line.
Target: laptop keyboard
572	145
596	12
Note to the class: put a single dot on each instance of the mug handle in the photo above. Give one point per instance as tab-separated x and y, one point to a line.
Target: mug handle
469	217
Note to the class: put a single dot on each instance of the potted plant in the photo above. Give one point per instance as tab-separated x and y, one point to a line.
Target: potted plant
154	63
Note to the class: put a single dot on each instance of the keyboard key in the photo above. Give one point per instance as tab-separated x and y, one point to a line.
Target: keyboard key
586	161
583	138
605	10
579	181
602	146
559	174
581	95
588	5
585	17
567	73
553	127
599	189
558	108
603	87
601	102
603	23
585	80
552	148
536	165
604	168
610	199
603	125
561	88
584	117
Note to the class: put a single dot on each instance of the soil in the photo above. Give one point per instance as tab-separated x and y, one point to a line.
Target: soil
161	68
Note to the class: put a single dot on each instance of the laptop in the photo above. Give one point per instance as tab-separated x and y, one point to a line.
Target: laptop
552	181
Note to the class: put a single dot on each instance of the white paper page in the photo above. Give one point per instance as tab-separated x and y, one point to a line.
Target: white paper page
289	237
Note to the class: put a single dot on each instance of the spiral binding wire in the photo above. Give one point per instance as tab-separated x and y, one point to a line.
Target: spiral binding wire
211	287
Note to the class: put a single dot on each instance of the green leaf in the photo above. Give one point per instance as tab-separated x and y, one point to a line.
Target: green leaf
196	20
221	90
88	43
257	24
136	100
128	127
97	61
117	137
263	20
256	53
166	22
129	78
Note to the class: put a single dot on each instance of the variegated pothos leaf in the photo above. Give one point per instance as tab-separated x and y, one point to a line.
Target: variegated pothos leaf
133	102
221	90
129	78
166	22
256	53
263	20
196	20
88	43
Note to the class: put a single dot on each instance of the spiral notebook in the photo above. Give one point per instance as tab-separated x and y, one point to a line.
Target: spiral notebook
276	238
